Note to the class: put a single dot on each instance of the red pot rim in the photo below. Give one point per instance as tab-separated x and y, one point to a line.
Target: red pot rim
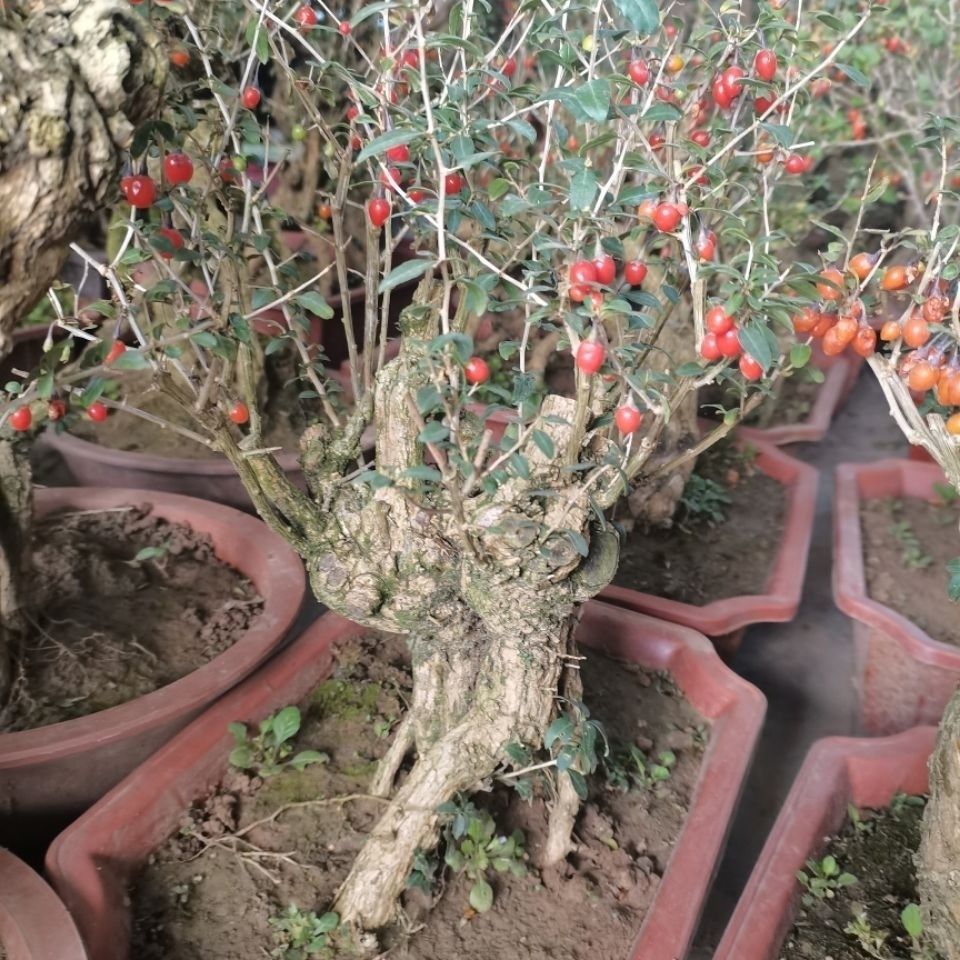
781	599
904	478
242	541
837	771
34	924
838	380
90	861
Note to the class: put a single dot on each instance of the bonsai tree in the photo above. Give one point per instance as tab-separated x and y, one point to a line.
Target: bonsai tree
592	180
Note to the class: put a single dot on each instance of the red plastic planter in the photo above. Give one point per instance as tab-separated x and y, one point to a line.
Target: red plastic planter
840	376
52	773
34	925
725	619
904	676
92	862
838	771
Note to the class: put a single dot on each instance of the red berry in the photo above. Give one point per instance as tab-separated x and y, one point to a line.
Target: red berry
606	269
634	272
732	81
476	370
250	97
628	419
761	105
20	419
583	272
352	112
590	356
411	59
306	16
344	28
56	409
750	368
239	412
795	164
765	65
378	211
140	191
718	320
416	195
666	217
97	411
355	142
454	183
701	138
174	238
707	245
509	67
177	168
729	343
399	154
390	178
117	349
721	92
579	292
179	58
639	72
709	348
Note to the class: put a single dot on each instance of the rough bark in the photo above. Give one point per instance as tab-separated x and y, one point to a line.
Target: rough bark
485	587
15	523
938	860
76	77
674	345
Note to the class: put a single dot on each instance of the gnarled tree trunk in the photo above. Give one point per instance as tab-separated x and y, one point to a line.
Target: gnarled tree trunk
76	77
938	861
15	523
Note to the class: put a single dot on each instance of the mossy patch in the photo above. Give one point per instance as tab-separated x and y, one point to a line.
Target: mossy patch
347	699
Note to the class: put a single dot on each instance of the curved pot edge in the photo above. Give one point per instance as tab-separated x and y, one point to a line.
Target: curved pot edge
765	907
282	586
34	924
780	601
737	715
849	580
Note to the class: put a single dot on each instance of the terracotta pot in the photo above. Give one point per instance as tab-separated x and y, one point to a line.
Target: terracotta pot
724	620
50	774
840	376
34	925
838	771
904	676
92	862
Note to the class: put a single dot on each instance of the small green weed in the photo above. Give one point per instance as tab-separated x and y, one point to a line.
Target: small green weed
822	879
268	753
301	935
912	555
627	767
704	500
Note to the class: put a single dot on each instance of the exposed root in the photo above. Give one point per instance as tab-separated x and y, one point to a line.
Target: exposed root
382	785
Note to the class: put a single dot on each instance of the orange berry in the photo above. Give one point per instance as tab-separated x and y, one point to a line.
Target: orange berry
890	331
922	377
833	278
916	331
953	425
895	278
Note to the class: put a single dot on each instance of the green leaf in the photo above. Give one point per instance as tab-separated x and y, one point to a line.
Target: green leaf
498	188
286	723
854	74
392	138
205	338
583	189
545	443
578	782
758	340
662	113
594	99
326	923
406	272
428	474
241	757
305	757
481	896
313	302
800	354
560	729
642	15
782	134
474	296
434	432
131	360
953	588
149	553
912	921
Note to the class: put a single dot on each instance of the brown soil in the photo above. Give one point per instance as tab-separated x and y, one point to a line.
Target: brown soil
907	545
211	898
108	628
879	853
698	559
